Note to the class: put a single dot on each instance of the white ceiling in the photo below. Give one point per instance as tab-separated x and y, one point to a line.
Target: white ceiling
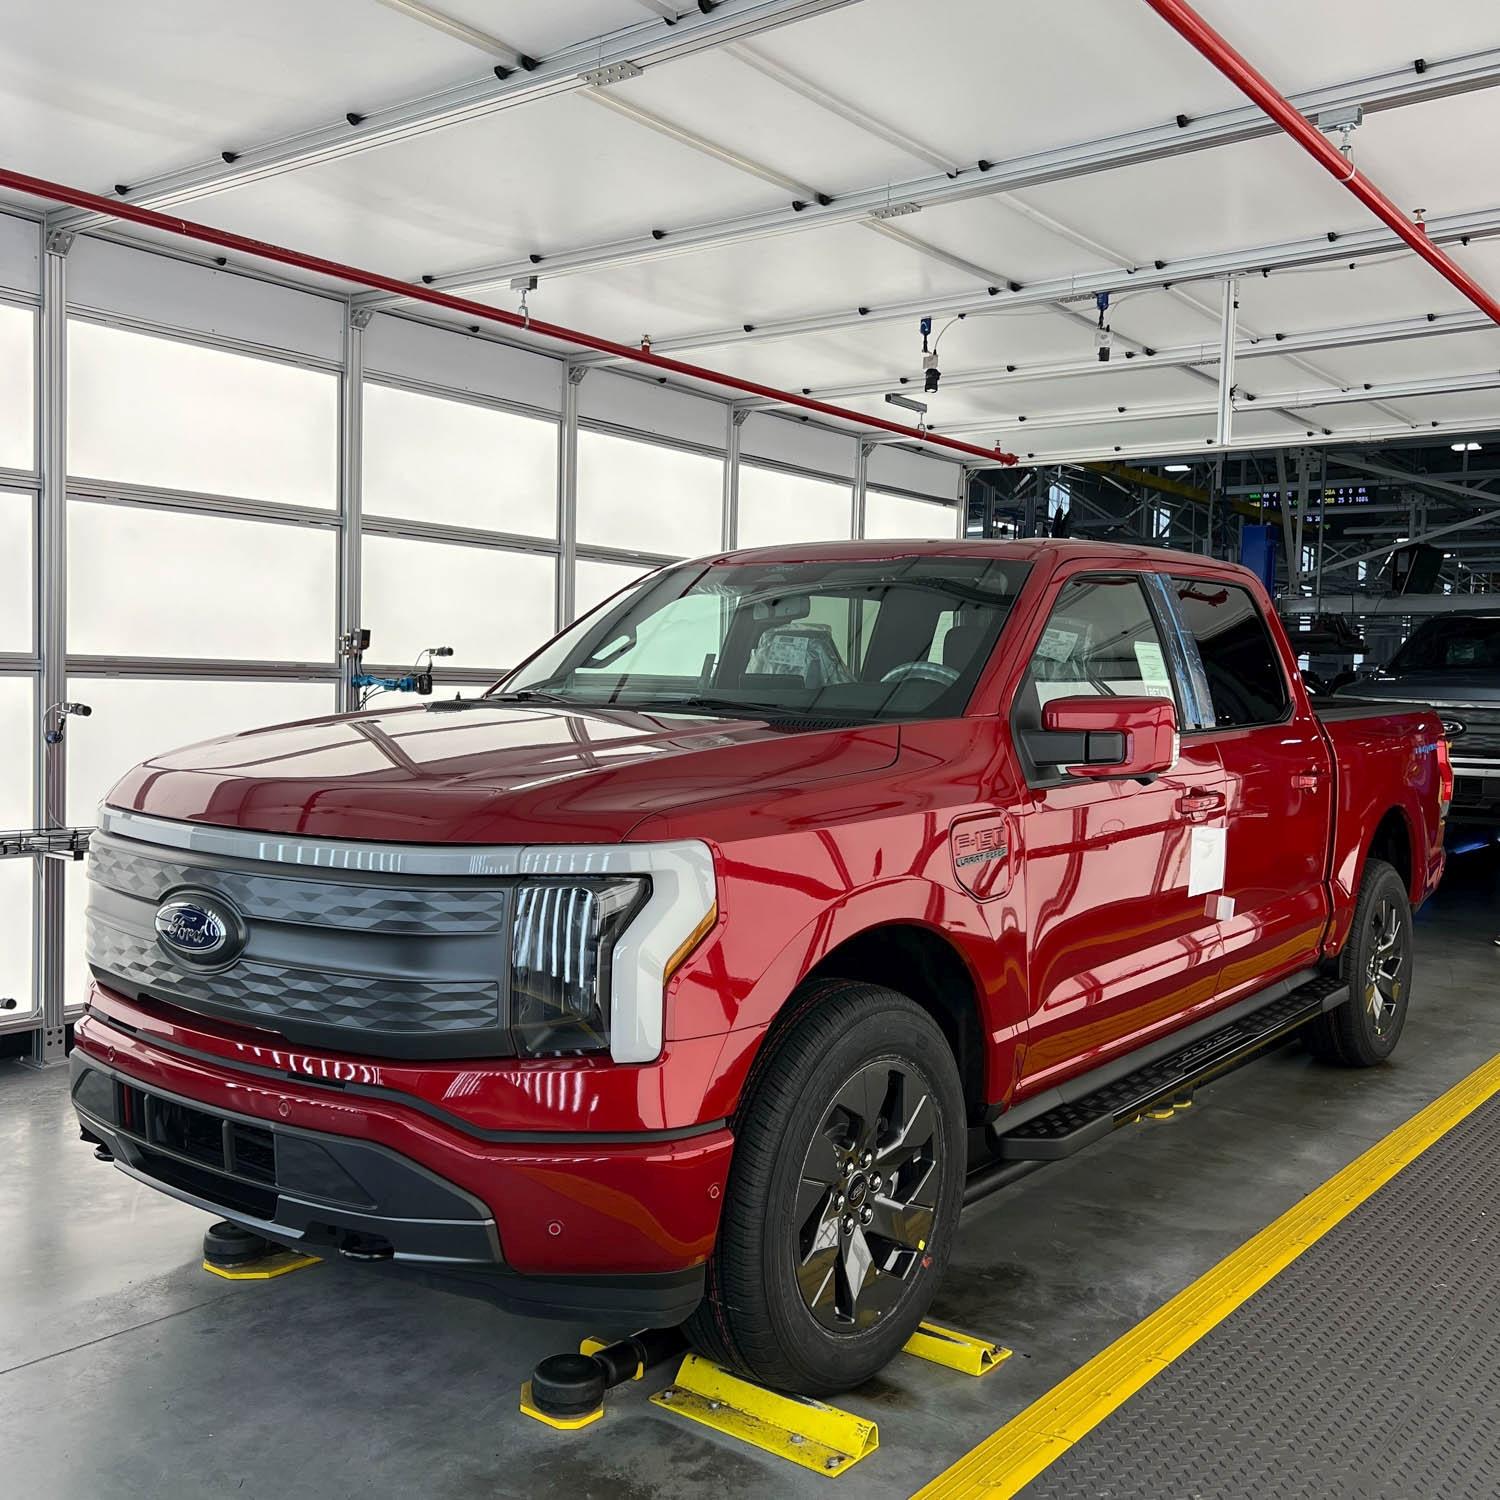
94	93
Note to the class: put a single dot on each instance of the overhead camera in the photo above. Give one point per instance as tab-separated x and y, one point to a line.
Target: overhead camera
930	373
1103	338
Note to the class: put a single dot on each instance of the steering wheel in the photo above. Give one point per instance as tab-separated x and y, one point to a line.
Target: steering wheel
921	671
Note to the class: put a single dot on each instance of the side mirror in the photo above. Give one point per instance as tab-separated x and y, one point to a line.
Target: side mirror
1107	736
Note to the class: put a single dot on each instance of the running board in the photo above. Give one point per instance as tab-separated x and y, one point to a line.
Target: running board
1071	1126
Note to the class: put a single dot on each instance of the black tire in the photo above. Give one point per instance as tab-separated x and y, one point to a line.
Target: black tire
1377	964
808	1120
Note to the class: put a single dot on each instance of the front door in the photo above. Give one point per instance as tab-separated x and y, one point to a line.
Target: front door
1122	941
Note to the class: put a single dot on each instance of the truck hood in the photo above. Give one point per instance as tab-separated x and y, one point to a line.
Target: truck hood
1436	688
497	774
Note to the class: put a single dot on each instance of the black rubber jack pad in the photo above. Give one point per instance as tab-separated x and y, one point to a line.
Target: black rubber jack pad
227	1244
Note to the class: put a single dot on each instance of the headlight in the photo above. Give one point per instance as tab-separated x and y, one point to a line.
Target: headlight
597	933
562	956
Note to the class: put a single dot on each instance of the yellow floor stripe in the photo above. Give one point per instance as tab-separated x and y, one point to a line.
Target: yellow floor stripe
1011	1458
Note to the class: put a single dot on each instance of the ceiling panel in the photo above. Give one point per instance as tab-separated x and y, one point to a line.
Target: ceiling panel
991	232
1167	437
1167	319
864	351
94	92
1302	46
757	281
975	79
1436	156
769	123
1414	359
1373	291
1077	393
1482	408
556	174
539	30
1261	374
1255	193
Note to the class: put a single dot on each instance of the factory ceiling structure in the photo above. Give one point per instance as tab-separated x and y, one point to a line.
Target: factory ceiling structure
1082	271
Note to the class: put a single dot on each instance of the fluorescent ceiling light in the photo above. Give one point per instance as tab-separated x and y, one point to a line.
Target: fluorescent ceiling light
1465	447
1178	468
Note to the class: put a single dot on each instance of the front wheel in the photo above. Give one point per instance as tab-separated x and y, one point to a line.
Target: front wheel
843	1197
1377	962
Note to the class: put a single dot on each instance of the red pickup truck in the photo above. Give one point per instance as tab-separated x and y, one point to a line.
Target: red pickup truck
688	974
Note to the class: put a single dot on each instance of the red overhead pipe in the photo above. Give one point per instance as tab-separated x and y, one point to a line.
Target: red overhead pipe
1188	24
57	192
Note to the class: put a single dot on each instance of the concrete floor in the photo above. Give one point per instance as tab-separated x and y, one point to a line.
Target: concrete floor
127	1370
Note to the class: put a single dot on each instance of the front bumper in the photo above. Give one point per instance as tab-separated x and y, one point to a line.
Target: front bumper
617	1231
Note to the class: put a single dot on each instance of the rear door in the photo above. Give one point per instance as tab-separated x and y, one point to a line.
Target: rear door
1278	779
1120	945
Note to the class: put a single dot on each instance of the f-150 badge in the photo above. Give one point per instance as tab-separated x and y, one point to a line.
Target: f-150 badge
981	855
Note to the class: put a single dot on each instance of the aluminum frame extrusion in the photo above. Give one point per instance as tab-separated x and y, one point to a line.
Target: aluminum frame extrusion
1228	332
647	44
49	1040
1394	88
1176	356
1288	255
41	187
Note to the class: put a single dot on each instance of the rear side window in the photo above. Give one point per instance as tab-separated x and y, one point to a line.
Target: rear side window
1246	684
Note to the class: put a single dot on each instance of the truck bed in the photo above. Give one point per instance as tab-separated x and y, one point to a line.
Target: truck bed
1386	778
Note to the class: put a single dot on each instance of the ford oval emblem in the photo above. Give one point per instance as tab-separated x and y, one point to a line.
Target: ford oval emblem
199	928
1452	728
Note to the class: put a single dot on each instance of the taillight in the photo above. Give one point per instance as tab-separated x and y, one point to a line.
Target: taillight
1445	775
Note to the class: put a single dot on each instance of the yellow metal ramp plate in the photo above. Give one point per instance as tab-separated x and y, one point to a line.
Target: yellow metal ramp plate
963	1352
529	1408
264	1268
818	1437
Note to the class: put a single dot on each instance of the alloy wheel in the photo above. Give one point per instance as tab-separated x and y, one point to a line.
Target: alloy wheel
867	1197
1387	957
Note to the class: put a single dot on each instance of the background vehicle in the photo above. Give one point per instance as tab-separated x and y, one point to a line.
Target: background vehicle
672	979
1453	663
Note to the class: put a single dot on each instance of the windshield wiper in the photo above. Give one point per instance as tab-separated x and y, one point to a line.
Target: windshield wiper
520	695
527	695
731	708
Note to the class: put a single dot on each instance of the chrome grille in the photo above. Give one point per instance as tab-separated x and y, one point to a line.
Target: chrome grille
1480	739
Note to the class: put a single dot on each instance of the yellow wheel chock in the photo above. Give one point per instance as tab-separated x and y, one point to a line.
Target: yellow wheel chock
805	1432
963	1352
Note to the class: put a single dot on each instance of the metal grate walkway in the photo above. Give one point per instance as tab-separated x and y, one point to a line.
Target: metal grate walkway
1368	1369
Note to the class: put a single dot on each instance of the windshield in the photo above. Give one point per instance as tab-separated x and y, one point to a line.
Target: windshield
900	638
1451	645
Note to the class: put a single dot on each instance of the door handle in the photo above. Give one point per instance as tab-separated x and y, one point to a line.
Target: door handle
1200	802
1307	781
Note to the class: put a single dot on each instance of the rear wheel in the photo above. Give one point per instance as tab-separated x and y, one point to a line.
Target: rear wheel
1377	962
844	1193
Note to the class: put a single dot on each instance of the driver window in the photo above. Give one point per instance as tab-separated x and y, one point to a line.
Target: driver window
1100	638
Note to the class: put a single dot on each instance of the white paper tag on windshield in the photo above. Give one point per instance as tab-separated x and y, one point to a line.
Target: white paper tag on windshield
1206	861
